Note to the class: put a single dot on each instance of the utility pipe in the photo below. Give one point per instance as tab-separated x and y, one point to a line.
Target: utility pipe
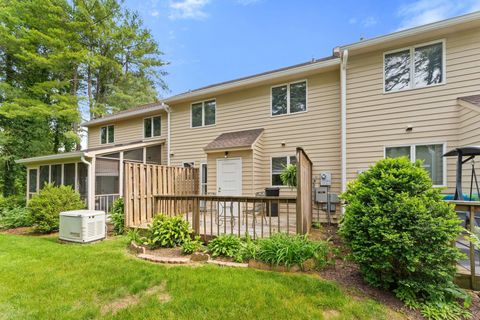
167	108
343	99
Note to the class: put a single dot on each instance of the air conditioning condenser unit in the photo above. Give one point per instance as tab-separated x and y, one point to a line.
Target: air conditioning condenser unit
82	225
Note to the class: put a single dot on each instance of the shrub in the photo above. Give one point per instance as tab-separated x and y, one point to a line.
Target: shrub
10	202
133	235
401	233
117	214
283	249
14	218
227	246
289	175
190	245
167	232
248	250
46	206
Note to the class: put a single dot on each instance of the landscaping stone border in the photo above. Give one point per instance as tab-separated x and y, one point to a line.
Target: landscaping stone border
200	257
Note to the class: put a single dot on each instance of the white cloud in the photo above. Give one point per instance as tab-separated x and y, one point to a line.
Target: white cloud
352	21
154	13
369	21
188	9
247	2
421	12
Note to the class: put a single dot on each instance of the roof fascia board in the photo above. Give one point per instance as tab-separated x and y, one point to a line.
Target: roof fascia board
52	157
94	153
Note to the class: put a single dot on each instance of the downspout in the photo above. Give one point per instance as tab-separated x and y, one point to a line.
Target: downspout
167	108
343	99
90	203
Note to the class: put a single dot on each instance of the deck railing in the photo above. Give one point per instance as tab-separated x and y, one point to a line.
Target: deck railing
104	201
468	270
211	215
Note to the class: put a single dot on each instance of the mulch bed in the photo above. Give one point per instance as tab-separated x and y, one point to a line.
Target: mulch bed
348	275
167	252
27	231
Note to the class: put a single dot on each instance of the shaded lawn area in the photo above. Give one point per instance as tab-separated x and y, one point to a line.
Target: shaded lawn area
42	279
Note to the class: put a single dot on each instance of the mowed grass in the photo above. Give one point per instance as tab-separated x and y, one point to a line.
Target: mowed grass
42	279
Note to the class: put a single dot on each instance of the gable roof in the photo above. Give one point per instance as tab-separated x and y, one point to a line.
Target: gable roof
475	99
471	102
234	140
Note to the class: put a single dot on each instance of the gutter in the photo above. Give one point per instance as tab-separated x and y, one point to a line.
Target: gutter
343	99
169	111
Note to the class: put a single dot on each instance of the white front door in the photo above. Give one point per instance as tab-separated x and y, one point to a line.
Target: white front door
229	177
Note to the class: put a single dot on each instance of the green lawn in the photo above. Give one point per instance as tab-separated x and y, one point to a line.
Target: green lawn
42	279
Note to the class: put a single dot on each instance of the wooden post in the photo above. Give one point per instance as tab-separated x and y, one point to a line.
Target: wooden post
196	215
472	248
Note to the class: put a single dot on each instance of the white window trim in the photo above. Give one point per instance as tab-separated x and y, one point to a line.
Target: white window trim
413	157
151	123
288	98
100	135
203	114
203	163
271	168
412	66
37	182
188	162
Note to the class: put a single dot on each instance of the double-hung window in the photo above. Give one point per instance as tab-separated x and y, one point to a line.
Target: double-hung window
203	113
107	134
289	98
430	154
277	165
414	67
152	127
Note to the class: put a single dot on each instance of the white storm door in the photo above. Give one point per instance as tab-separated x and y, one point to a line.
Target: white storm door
229	177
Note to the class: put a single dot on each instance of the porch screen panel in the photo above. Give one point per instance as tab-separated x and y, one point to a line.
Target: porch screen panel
107	176
154	154
56	174
32	182
69	175
82	180
44	175
134	155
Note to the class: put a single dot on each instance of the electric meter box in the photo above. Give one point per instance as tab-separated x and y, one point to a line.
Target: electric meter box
326	179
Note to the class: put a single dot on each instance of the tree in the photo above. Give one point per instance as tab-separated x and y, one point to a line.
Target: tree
57	55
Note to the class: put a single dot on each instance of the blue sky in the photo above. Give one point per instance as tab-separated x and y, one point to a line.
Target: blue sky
209	41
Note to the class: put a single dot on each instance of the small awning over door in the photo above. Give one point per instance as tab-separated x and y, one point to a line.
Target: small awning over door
238	140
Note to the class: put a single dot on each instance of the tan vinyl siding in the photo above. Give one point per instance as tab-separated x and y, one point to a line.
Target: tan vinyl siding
317	130
376	119
128	131
469	135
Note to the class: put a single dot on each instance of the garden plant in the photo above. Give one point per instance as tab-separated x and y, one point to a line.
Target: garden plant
45	207
401	234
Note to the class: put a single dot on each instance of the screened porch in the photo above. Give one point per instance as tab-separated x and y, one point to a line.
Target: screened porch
75	168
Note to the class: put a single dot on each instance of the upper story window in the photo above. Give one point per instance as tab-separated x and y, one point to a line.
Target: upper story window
414	67
289	98
152	127
204	113
107	134
430	154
